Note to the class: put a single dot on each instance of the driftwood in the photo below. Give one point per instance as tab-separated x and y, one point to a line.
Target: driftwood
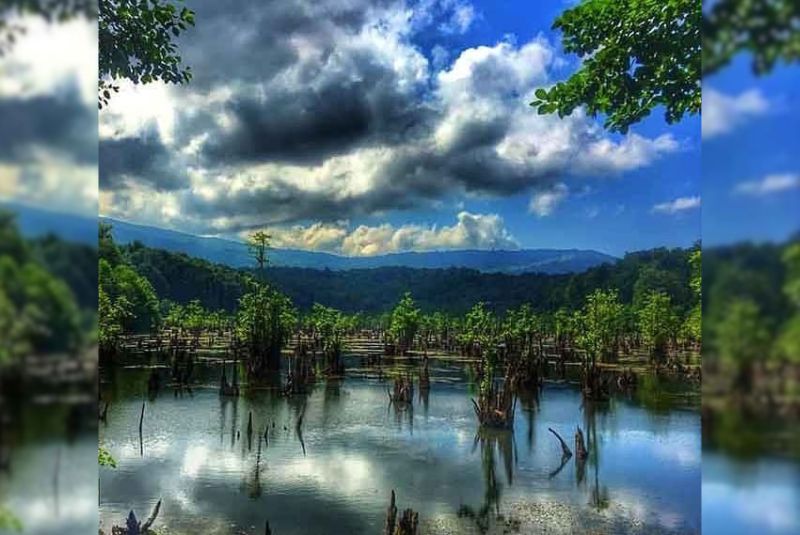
564	448
407	524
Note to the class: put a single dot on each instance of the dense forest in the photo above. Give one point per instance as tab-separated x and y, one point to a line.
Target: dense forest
180	278
48	290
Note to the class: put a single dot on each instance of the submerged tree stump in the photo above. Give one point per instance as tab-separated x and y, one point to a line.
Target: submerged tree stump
403	391
407	524
495	406
580	445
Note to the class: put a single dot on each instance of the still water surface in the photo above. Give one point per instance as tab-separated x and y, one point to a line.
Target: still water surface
353	448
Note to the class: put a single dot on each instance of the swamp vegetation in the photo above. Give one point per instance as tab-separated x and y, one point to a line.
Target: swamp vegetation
284	374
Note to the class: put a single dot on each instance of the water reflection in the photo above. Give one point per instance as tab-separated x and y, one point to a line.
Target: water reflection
49	473
751	473
330	456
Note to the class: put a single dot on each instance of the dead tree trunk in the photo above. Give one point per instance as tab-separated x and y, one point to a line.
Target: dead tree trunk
580	445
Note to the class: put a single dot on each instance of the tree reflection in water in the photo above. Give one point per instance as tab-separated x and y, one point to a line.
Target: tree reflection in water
492	443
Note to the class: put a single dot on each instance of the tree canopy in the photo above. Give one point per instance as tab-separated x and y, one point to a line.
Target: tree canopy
636	55
138	43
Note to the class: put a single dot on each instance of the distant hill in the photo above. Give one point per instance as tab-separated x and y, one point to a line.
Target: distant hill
182	278
35	222
234	254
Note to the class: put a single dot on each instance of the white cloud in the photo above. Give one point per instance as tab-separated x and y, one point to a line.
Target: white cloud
470	231
768	185
316	237
49	55
421	131
543	203
679	205
722	113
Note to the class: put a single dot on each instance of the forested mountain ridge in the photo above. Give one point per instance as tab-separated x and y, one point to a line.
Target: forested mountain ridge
181	278
234	254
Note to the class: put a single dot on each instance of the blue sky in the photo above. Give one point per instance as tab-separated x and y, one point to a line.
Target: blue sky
612	214
751	175
389	126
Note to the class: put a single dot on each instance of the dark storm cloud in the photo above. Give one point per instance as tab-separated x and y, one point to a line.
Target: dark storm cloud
309	124
282	202
144	158
249	40
58	124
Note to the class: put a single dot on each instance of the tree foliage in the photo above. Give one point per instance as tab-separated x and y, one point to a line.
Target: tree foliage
600	324
657	322
38	311
137	43
636	55
405	322
766	29
265	320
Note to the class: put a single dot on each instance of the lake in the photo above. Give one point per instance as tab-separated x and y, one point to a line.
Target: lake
334	474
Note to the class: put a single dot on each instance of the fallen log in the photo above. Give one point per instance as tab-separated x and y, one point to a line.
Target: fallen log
564	448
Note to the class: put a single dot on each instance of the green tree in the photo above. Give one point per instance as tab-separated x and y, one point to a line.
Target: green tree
693	324
636	55
479	332
523	329
328	326
265	320
257	244
787	346
600	321
405	322
657	323
140	301
742	338
137	43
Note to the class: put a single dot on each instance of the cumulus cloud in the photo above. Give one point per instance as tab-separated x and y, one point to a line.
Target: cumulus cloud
329	111
677	206
543	203
769	185
470	231
722	113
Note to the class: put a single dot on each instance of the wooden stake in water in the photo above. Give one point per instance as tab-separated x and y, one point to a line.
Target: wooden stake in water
141	443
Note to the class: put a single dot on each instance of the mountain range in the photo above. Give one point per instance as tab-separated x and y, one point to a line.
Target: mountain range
37	221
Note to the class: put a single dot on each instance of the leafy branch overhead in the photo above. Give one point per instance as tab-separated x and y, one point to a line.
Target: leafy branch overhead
637	54
137	43
767	29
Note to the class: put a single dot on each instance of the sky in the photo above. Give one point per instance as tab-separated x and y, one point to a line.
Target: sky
751	174
48	105
364	127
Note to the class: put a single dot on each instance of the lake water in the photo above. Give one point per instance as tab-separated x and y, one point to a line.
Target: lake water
335	476
751	475
51	481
